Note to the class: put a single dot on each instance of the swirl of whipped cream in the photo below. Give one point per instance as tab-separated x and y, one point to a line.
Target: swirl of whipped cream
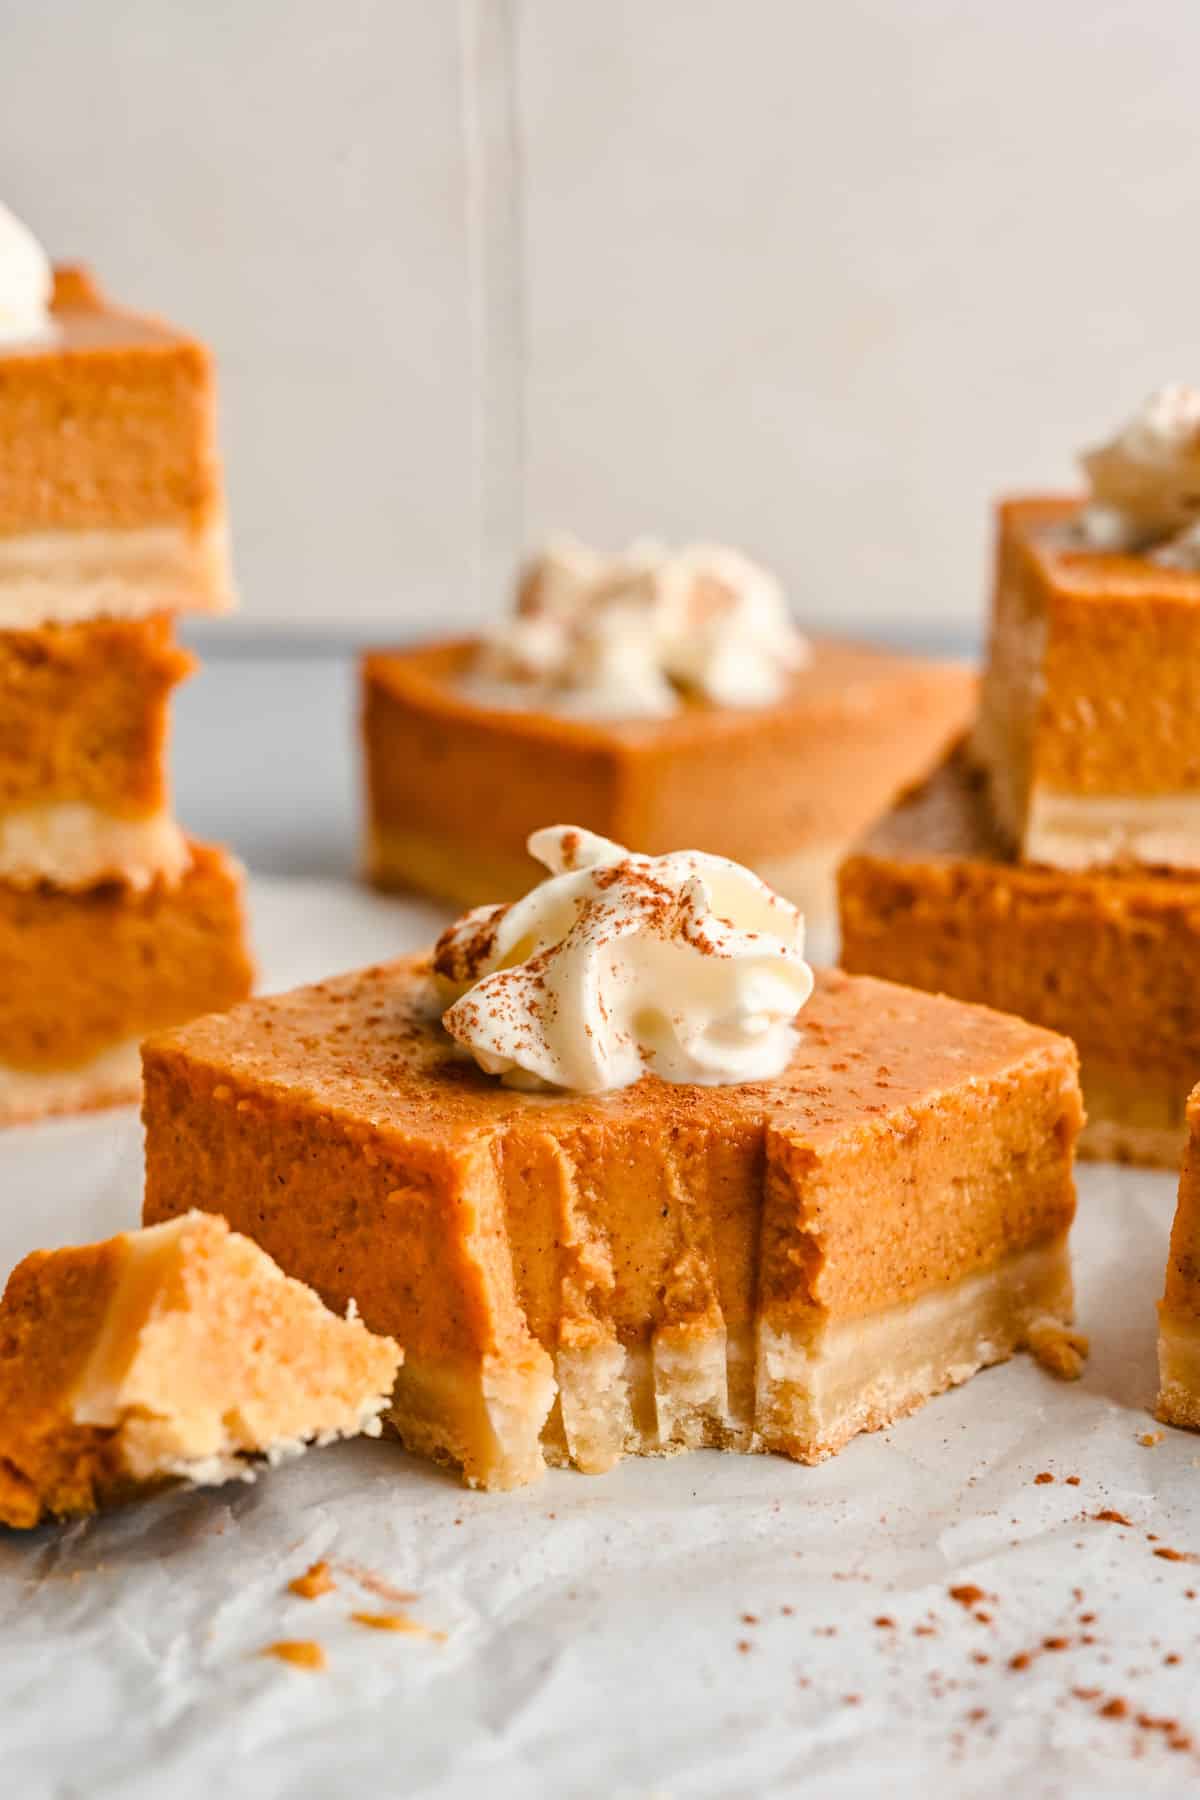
1146	483
625	636
686	966
26	281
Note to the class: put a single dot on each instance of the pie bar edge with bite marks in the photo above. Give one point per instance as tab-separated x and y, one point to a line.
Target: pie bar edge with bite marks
772	1265
111	498
931	897
124	1367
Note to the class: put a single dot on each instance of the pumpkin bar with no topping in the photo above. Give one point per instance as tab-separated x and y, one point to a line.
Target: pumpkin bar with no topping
84	794
455	784
932	897
111	499
124	1366
85	976
1089	722
772	1266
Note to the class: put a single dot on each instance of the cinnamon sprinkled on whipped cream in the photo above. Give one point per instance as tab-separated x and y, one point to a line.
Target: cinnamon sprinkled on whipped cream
1146	483
627	636
686	966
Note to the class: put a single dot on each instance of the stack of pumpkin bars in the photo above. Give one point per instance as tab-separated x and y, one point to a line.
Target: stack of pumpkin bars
112	521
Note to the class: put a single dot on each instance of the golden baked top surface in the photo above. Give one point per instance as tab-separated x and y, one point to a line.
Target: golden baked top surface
368	1047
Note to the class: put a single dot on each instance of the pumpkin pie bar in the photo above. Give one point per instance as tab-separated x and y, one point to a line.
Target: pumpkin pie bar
85	976
768	1266
1179	1309
932	897
124	1367
84	795
1089	724
457	778
111	500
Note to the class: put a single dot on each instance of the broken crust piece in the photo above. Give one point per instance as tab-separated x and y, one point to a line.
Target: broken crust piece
772	1266
1179	1308
165	1355
1089	718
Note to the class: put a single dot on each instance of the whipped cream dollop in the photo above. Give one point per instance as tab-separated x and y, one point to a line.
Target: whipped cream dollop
686	966
1146	483
26	282
627	636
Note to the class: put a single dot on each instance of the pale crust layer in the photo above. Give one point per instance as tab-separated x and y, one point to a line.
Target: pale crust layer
113	1078
75	846
63	577
1178	1369
1096	831
757	1391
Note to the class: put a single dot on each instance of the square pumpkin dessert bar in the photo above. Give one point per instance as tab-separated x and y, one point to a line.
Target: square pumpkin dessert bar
85	976
1089	724
656	1210
124	1367
84	793
111	498
659	700
933	898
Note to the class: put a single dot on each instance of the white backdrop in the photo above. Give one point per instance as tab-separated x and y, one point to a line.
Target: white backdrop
815	279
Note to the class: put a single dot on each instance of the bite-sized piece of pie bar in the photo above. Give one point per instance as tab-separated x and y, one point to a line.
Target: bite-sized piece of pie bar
111	500
1089	723
457	780
177	1354
84	794
85	976
1179	1308
773	1265
932	898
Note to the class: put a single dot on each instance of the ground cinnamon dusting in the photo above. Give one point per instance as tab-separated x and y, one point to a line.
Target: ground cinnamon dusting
1043	1478
300	1653
316	1580
1169	1555
967	1594
396	1622
1111	1517
375	1584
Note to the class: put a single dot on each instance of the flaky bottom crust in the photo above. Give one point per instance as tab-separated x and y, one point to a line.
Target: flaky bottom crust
114	1078
1178	1369
1133	1119
74	846
59	577
802	1392
405	861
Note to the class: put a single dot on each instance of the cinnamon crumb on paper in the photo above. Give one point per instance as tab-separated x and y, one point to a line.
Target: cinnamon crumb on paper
315	1581
1060	1349
298	1653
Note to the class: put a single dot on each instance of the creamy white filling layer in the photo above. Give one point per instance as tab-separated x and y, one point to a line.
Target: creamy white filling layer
75	846
61	577
1073	831
114	1078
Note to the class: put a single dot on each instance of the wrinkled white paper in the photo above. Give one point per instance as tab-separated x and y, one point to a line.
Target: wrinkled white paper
702	1626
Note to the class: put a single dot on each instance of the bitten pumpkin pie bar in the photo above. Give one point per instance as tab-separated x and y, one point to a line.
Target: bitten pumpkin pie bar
84	795
111	500
84	977
773	1265
931	897
178	1354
